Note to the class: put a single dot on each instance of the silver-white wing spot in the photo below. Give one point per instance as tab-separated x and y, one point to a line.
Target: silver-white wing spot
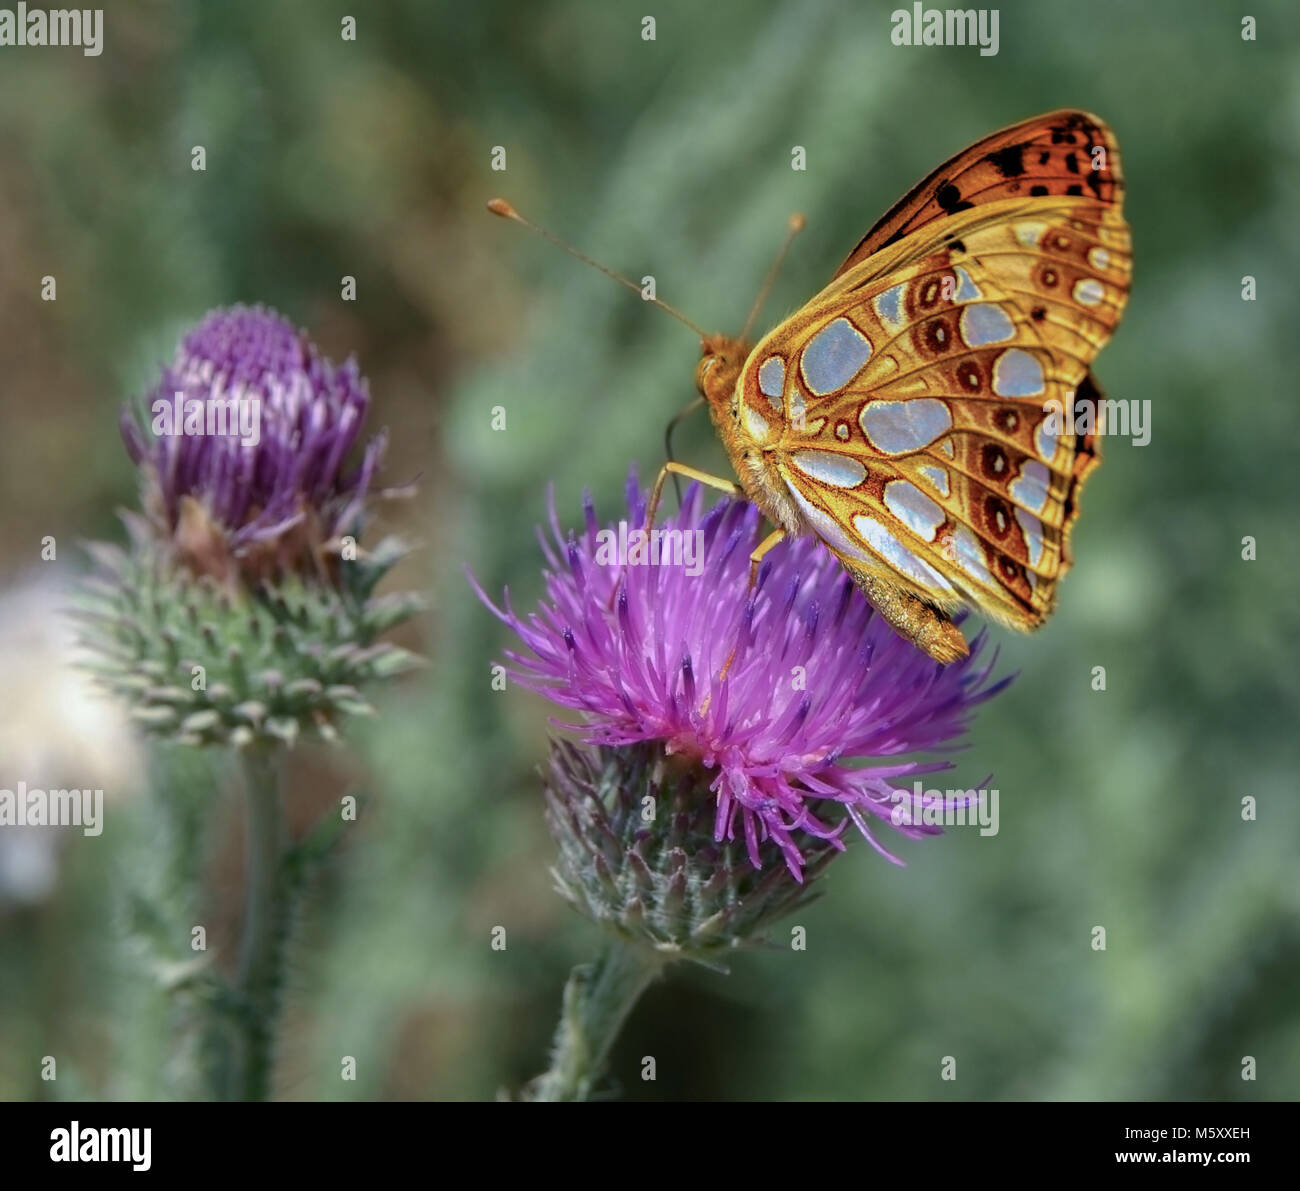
983	323
1017	374
965	549
935	476
889	307
1029	488
1045	436
900	427
967	290
914	509
833	357
1088	291
897	555
771	380
1030	233
1033	531
829	467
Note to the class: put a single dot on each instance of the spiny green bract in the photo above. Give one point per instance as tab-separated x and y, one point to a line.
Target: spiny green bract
202	664
637	854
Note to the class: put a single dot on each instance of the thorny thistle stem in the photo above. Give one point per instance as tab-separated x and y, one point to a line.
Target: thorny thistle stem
265	923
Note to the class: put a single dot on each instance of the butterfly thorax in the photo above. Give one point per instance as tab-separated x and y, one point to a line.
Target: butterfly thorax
717	378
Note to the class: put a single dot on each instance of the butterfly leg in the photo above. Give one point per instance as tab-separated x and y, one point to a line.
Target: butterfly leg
760	552
912	617
775	538
671	468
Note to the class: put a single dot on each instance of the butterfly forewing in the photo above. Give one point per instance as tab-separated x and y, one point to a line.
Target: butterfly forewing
909	405
1063	153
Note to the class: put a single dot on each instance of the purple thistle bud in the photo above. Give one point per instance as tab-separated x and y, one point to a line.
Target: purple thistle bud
793	700
238	615
243	443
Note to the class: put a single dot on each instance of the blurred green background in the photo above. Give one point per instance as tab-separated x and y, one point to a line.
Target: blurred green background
371	159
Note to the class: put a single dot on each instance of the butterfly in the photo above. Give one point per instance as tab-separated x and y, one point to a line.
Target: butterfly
910	415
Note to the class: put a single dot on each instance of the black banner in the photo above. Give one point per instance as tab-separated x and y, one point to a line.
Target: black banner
337	1140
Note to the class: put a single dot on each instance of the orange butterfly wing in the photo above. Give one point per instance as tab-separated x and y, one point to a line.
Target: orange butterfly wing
1063	153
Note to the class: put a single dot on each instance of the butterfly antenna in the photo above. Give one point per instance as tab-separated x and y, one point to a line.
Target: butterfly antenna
796	225
499	206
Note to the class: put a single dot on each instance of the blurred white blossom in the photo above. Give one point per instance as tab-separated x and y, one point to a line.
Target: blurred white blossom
56	731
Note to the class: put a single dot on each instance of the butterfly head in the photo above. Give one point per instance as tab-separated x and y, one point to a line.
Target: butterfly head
721	360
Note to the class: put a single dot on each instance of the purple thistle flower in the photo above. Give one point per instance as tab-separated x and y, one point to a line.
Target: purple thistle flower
226	499
818	684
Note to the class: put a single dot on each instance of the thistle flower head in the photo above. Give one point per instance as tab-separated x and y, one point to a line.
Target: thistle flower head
239	615
796	703
244	446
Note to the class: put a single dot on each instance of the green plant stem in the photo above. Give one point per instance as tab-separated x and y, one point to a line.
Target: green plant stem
597	1000
265	921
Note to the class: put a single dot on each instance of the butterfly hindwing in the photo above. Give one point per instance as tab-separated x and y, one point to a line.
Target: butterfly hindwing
911	422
